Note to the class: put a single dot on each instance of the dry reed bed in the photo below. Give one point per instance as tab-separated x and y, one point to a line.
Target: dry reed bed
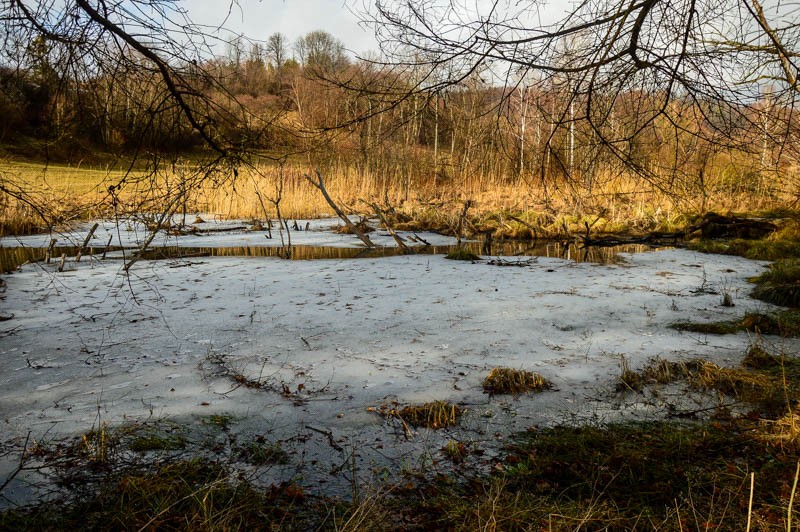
36	197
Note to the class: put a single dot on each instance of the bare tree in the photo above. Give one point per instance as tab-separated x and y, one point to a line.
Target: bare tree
321	51
276	49
147	53
641	60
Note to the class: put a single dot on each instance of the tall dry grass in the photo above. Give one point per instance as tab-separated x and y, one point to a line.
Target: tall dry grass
36	197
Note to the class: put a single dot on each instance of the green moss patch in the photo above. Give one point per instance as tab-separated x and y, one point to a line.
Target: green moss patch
782	323
193	494
714	327
780	284
157	442
782	244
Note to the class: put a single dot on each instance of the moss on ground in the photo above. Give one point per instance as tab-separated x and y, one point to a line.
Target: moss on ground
156	441
784	323
780	285
782	244
192	494
714	327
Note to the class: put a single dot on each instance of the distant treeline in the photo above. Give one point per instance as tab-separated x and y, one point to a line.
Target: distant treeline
320	104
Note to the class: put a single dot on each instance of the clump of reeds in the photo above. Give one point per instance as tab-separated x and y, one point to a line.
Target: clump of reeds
434	415
759	358
18	222
629	379
514	381
663	371
456	451
98	444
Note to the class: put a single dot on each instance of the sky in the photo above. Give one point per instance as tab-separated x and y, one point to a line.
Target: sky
258	19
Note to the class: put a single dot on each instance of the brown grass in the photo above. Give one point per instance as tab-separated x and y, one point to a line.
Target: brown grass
508	207
783	432
434	415
663	371
514	381
629	380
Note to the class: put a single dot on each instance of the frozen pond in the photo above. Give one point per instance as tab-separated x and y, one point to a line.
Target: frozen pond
306	239
329	341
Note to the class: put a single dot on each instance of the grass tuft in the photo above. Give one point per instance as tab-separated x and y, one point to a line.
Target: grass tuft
462	254
662	371
456	451
765	380
514	381
150	437
780	285
157	442
784	323
434	415
629	380
261	452
222	421
99	444
759	358
714	327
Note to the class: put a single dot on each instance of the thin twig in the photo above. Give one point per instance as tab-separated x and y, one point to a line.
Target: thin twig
23	458
791	498
750	504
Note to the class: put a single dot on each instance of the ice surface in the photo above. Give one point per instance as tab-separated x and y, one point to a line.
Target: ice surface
213	232
328	339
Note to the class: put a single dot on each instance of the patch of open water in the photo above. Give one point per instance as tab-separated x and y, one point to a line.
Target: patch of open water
12	257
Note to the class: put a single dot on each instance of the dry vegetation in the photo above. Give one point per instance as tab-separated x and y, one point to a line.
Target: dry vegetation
638	164
514	381
57	195
718	473
433	415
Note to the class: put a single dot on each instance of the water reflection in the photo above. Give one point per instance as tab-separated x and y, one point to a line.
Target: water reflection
13	257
